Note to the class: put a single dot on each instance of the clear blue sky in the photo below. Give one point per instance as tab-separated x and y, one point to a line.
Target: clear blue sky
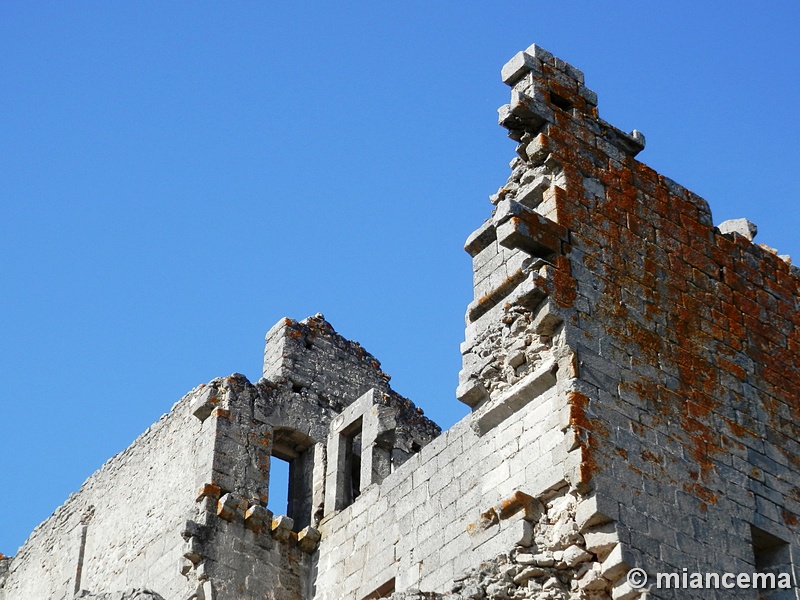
176	177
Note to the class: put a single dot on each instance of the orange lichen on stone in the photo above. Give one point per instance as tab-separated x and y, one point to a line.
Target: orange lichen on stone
518	501
222	413
209	490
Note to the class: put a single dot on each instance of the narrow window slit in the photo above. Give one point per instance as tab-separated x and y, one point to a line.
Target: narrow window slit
560	102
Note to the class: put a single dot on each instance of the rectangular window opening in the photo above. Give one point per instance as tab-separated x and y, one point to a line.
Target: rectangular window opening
773	560
560	102
278	501
352	462
291	469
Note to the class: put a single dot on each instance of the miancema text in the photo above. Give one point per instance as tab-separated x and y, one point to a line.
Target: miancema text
759	581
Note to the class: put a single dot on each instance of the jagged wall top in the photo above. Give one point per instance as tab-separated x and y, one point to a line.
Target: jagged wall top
311	359
543	84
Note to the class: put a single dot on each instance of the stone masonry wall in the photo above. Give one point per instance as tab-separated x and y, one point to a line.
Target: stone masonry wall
182	512
422	526
634	378
686	337
123	527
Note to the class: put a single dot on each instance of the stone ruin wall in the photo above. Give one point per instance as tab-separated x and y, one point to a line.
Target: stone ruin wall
123	526
437	516
634	380
685	336
182	512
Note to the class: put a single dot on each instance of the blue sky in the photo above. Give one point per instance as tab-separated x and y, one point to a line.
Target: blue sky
176	177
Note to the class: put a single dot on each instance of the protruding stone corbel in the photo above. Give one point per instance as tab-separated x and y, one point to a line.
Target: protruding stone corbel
743	227
308	539
518	227
204	403
231	507
281	527
209	490
472	392
257	517
193	550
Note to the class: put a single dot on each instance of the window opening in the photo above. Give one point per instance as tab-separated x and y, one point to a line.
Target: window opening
560	101
290	477
773	558
352	462
278	501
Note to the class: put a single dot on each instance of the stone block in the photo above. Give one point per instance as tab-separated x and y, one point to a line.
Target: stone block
575	555
600	540
256	518
588	514
480	238
622	590
592	579
545	321
209	490
231	507
741	226
532	233
204	403
193	550
540	53
615	565
538	149
472	392
281	527
308	539
520	65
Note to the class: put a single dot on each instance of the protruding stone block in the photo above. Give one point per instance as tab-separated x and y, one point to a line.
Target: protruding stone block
545	320
531	232
480	238
472	393
638	137
518	502
230	507
622	590
256	517
587	514
540	53
601	540
282	527
193	550
205	402
741	226
615	565
575	555
538	149
592	579
520	65
308	539
209	490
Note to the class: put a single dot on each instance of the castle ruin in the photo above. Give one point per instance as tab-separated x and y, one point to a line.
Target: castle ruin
634	378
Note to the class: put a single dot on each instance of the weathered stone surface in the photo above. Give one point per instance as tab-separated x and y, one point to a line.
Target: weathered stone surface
741	226
634	376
